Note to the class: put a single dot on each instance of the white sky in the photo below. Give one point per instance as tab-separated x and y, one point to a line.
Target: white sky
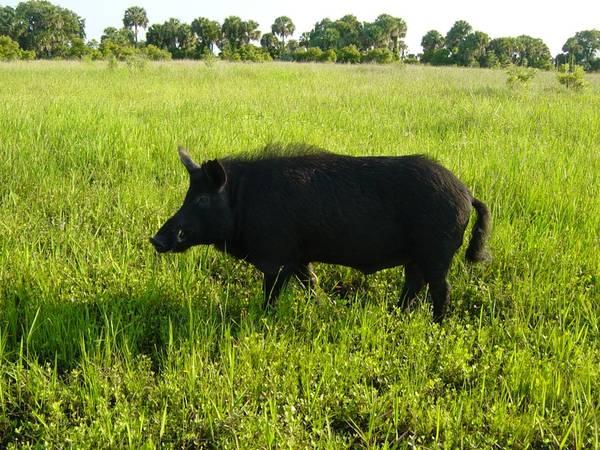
553	21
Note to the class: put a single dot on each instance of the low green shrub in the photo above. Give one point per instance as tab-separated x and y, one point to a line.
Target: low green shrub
9	49
154	53
379	56
571	76
349	54
519	76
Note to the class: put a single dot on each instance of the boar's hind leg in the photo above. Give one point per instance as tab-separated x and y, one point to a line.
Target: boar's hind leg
440	293
306	276
273	284
413	284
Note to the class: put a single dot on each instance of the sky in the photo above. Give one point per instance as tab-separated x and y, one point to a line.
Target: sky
553	21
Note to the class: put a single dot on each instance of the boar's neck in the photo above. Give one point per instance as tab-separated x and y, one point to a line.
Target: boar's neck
233	243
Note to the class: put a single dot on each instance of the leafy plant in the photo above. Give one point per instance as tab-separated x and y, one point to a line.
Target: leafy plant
9	49
137	62
379	56
520	76
154	53
112	61
349	54
571	76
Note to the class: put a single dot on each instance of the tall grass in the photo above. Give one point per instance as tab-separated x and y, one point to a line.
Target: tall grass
103	344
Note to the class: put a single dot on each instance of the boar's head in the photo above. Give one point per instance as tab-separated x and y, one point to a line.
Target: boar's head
205	216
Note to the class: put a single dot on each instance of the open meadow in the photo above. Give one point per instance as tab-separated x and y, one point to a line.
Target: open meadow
105	344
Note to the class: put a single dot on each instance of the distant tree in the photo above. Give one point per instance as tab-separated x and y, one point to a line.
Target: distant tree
431	42
208	33
232	30
459	31
441	57
505	50
324	35
78	49
250	31
385	32
472	49
121	36
283	27
350	31
135	17
46	29
292	45
533	52
582	49
174	36
271	44
117	43
373	36
7	21
304	39
394	31
237	32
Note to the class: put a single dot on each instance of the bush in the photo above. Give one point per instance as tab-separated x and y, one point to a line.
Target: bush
113	62
137	62
519	76
27	55
349	54
78	49
572	77
120	52
230	55
328	56
490	60
411	59
379	56
253	53
9	49
313	54
247	53
153	53
440	57
208	57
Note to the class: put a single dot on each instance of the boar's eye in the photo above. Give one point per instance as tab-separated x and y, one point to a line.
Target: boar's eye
180	236
202	201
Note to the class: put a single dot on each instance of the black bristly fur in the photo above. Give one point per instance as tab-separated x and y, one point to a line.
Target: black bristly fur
291	206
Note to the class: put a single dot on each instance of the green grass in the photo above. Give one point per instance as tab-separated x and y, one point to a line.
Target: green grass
104	344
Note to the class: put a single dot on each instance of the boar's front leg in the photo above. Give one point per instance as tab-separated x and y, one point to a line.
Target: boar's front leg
273	283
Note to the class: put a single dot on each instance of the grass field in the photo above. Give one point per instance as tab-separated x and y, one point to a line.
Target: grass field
104	344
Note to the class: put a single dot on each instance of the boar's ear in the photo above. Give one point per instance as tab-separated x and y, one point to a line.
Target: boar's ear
187	160
215	172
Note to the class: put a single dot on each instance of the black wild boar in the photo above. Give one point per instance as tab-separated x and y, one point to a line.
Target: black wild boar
291	206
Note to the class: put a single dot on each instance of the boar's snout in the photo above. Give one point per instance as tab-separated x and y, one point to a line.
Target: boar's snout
159	244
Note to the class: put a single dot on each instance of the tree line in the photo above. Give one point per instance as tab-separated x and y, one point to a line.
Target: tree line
40	29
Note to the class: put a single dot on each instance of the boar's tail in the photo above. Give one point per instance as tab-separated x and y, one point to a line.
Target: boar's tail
476	251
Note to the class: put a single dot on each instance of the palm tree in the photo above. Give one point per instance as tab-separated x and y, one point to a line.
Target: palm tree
394	28
283	26
135	17
232	30
208	32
